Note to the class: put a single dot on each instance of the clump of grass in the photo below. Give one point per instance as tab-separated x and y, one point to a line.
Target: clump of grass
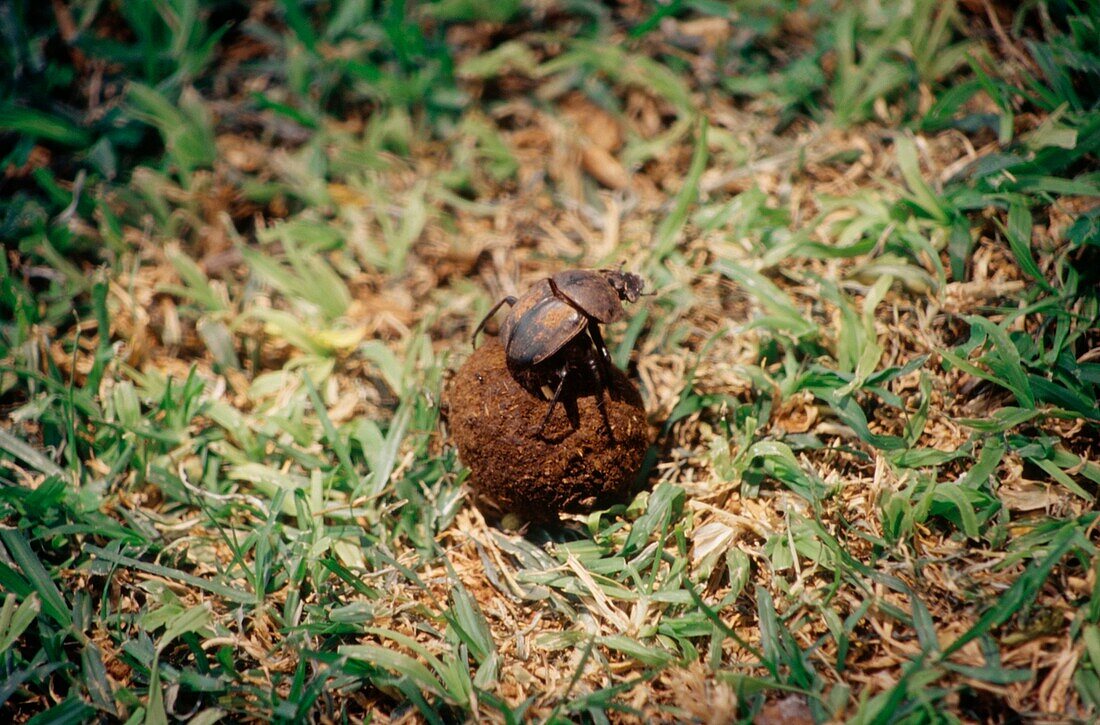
234	285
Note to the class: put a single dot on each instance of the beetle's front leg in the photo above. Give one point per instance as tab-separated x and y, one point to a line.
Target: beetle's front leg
603	360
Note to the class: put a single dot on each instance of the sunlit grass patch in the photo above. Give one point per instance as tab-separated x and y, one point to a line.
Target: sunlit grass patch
237	277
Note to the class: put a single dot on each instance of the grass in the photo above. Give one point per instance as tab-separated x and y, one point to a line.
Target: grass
246	243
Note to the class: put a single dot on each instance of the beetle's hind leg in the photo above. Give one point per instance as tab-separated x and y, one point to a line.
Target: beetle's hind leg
553	402
509	300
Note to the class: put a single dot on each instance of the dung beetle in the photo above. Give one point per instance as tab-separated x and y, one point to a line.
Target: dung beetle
554	313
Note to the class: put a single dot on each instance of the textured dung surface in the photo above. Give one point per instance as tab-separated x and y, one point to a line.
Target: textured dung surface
574	466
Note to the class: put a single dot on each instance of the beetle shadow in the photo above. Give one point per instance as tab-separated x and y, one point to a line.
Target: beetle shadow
583	378
554	531
585	384
570	404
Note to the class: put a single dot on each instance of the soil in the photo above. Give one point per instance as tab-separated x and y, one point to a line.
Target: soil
587	456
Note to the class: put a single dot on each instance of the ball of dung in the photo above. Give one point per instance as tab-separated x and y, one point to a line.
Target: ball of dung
586	457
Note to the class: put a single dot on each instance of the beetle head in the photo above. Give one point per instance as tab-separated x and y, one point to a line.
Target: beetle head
627	285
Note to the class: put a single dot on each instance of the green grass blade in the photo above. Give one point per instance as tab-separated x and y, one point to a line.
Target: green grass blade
20	551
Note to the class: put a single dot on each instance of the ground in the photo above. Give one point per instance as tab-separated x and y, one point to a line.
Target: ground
246	245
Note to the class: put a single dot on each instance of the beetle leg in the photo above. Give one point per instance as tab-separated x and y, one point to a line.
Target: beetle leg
604	357
553	402
602	363
595	368
510	300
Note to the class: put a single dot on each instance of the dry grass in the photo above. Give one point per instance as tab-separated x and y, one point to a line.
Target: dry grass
834	508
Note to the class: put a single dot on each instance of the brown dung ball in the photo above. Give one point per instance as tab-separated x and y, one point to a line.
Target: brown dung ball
586	457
